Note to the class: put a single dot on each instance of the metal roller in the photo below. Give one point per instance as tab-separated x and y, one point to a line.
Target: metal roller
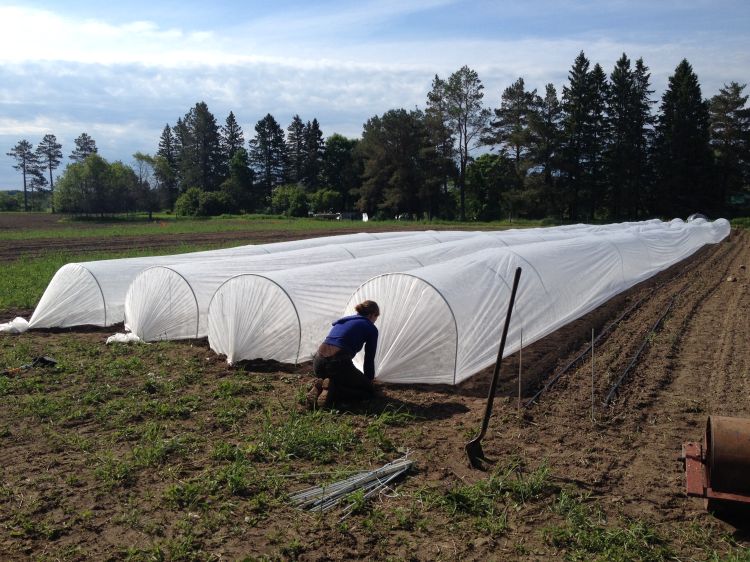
728	454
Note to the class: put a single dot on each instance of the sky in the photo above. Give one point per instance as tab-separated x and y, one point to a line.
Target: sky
121	71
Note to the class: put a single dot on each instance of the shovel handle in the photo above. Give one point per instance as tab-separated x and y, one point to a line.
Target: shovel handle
500	351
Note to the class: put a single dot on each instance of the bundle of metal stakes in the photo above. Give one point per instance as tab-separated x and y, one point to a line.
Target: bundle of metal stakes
328	496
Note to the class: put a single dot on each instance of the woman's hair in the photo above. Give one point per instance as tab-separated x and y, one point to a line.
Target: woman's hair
367	307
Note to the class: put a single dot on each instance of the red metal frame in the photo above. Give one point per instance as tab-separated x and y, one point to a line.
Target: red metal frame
696	477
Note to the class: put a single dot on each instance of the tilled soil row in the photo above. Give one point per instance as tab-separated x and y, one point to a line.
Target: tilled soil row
24	249
696	363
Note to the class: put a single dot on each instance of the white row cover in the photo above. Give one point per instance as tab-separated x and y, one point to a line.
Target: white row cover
283	315
171	302
94	292
442	323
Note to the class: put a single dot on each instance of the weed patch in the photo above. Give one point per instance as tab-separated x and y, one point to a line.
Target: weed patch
586	535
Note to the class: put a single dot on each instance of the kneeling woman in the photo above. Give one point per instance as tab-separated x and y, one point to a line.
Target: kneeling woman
338	378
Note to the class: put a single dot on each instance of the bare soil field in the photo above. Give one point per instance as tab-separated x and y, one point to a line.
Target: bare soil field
565	481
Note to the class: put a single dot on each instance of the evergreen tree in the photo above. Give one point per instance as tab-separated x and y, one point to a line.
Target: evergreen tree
467	120
584	138
394	148
730	138
643	140
166	169
296	149
598	138
576	107
232	137
268	156
511	128
629	118
314	148
201	163
239	185
85	146
682	151
544	126
37	187
26	163
441	135
49	156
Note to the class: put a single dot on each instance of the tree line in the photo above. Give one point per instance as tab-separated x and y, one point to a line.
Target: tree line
601	150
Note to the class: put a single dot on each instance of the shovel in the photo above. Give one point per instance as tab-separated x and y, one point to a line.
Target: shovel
474	447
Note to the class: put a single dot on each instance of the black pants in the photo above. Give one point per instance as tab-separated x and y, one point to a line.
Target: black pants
349	383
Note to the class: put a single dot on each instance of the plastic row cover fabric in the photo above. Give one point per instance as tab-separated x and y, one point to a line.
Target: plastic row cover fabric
171	302
442	323
94	292
283	315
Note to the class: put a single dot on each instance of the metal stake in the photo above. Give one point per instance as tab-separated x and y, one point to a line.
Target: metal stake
520	364
593	420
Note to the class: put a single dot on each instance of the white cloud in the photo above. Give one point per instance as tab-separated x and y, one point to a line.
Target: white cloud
121	82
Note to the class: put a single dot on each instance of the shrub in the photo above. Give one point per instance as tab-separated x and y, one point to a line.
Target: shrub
289	200
187	204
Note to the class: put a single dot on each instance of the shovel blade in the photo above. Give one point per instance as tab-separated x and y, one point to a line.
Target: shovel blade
475	453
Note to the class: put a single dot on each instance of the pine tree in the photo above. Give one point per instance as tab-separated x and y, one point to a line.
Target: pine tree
682	151
85	146
442	139
510	129
232	137
643	140
295	148
201	158
26	163
467	120
584	138
268	156
730	138
544	125
598	138
49	156
314	147
576	107
630	120
166	168
393	148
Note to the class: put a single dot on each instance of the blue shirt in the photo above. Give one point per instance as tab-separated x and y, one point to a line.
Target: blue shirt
351	333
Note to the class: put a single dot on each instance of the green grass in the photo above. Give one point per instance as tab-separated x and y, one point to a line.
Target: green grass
588	535
741	222
486	502
23	281
166	224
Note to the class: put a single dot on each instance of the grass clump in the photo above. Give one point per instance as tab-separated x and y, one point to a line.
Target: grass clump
487	501
586	535
316	436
